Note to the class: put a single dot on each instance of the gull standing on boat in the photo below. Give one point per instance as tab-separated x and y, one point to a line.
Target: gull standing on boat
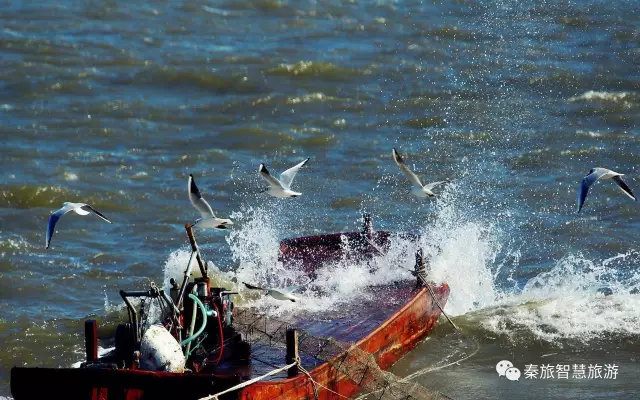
208	219
601	173
79	208
281	187
418	189
278	294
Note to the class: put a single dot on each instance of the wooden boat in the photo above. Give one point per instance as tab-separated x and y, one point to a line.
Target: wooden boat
387	323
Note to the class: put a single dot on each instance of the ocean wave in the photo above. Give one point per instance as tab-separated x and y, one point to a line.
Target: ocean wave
14	245
578	299
204	79
453	32
300	103
592	95
318	69
310	98
426	122
32	196
254	137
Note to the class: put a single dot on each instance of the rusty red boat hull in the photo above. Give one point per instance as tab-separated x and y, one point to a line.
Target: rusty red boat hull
120	384
388	343
400	333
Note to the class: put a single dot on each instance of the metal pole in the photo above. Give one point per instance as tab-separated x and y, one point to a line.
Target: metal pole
133	315
185	280
194	247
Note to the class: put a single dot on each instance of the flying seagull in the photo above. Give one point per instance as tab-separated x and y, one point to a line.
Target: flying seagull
208	219
418	189
278	294
601	173
79	208
281	187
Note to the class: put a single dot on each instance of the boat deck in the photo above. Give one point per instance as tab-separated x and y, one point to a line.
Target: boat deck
347	324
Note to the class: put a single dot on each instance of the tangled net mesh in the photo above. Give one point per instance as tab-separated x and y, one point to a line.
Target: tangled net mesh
354	363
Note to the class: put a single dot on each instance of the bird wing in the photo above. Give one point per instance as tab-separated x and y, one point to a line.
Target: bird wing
87	207
53	220
252	286
586	183
196	199
264	173
286	178
400	161
624	187
431	185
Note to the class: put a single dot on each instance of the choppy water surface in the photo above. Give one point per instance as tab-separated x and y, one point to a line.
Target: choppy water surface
115	103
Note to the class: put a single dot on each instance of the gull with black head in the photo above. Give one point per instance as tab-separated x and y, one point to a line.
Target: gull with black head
208	219
281	187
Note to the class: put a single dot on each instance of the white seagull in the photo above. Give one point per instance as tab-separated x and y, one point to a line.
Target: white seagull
208	219
278	294
601	173
418	189
281	187
79	208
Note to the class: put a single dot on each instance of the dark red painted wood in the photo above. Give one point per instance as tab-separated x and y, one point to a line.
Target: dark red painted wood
95	383
91	339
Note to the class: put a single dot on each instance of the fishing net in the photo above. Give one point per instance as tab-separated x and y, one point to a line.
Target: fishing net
359	366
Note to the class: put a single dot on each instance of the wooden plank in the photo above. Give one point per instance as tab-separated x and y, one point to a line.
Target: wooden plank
91	339
292	351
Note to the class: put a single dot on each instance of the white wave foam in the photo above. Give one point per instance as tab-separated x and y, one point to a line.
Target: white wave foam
475	257
101	352
255	248
70	176
569	301
110	307
589	133
604	96
478	262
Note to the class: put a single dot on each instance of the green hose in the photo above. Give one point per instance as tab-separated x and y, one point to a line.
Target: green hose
204	319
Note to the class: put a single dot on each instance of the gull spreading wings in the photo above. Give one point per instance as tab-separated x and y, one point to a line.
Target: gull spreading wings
281	187
418	189
208	219
601	173
79	208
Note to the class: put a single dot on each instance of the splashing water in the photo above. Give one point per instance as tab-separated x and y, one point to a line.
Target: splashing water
578	299
462	249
